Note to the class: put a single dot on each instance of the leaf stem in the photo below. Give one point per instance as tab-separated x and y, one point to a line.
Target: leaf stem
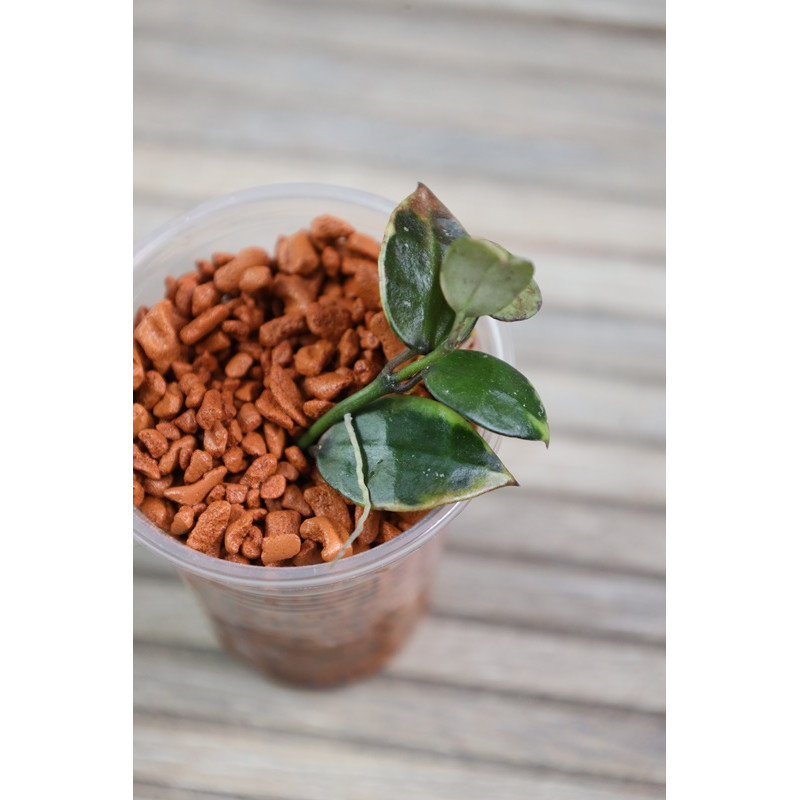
372	391
384	383
388	381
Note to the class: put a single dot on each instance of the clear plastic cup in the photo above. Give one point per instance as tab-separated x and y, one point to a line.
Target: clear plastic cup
317	625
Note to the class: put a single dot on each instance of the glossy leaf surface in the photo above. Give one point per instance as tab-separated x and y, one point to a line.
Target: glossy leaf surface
418	235
417	454
489	392
479	277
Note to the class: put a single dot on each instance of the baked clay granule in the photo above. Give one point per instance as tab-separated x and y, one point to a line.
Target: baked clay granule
230	368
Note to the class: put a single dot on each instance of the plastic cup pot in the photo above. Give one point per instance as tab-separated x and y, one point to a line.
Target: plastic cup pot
318	625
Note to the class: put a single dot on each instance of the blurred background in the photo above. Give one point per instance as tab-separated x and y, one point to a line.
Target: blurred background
541	124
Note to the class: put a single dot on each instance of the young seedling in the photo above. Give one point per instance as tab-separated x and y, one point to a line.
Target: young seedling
383	448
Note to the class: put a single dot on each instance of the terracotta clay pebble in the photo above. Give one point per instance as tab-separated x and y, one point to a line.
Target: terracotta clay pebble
314	409
330	533
151	389
182	521
328	320
326	502
313	358
280	523
308	555
279	548
241	529
207	534
157	336
201	326
138	492
364	245
273	487
297	254
157	511
328	228
195	492
169	431
227	276
142	419
259	470
328	385
204	296
155	442
145	464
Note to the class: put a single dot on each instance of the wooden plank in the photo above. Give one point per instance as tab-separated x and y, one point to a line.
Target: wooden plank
516	45
188	172
593	284
563	668
483	727
601	471
467	654
542	156
543	528
159	791
601	346
635	14
335	79
639	13
243	763
561	599
595	405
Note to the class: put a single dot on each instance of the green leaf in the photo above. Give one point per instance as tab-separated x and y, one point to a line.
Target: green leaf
489	392
479	277
523	306
419	233
417	454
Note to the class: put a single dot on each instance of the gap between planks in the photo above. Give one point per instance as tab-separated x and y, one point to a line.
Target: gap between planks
152	790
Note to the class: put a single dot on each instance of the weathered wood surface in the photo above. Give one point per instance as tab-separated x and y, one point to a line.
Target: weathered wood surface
539	672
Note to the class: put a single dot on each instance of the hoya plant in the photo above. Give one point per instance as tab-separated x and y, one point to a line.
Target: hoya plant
384	448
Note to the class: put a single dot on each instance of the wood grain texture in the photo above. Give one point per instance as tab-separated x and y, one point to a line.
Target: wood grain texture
547	529
238	762
539	671
417	717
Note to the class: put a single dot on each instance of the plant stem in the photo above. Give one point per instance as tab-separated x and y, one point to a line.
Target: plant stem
387	382
372	391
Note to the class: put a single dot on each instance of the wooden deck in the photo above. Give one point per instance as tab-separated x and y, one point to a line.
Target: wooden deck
540	671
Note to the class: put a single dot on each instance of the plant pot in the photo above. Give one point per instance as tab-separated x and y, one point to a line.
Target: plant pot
318	625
